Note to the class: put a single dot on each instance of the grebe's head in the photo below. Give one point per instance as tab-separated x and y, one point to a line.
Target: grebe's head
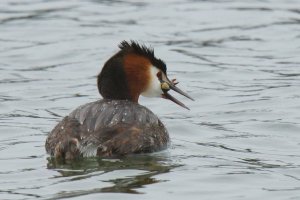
135	71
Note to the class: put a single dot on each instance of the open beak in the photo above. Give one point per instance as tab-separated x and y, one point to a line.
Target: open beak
166	86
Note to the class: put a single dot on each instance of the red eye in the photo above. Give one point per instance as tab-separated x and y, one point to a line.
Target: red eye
159	75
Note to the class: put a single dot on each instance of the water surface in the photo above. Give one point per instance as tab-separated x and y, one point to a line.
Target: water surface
239	60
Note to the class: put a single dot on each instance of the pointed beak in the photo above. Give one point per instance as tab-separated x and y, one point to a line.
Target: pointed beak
166	86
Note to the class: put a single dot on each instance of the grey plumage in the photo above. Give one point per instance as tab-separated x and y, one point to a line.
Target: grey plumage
107	128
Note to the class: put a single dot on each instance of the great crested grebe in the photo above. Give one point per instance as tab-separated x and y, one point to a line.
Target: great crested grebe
117	124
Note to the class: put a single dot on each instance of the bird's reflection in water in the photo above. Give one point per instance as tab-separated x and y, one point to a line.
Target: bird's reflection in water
149	164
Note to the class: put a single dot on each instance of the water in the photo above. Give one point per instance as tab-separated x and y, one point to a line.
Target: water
239	60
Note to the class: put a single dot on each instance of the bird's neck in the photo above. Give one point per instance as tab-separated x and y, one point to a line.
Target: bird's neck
124	78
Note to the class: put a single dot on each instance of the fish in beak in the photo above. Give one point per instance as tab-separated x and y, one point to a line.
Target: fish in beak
171	85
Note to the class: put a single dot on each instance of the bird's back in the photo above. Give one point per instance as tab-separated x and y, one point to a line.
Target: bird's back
107	128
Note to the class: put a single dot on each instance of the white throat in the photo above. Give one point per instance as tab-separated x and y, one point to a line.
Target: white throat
154	88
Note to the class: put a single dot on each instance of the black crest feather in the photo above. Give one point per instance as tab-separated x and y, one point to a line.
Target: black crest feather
135	47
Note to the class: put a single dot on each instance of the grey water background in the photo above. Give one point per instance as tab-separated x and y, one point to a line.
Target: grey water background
238	59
